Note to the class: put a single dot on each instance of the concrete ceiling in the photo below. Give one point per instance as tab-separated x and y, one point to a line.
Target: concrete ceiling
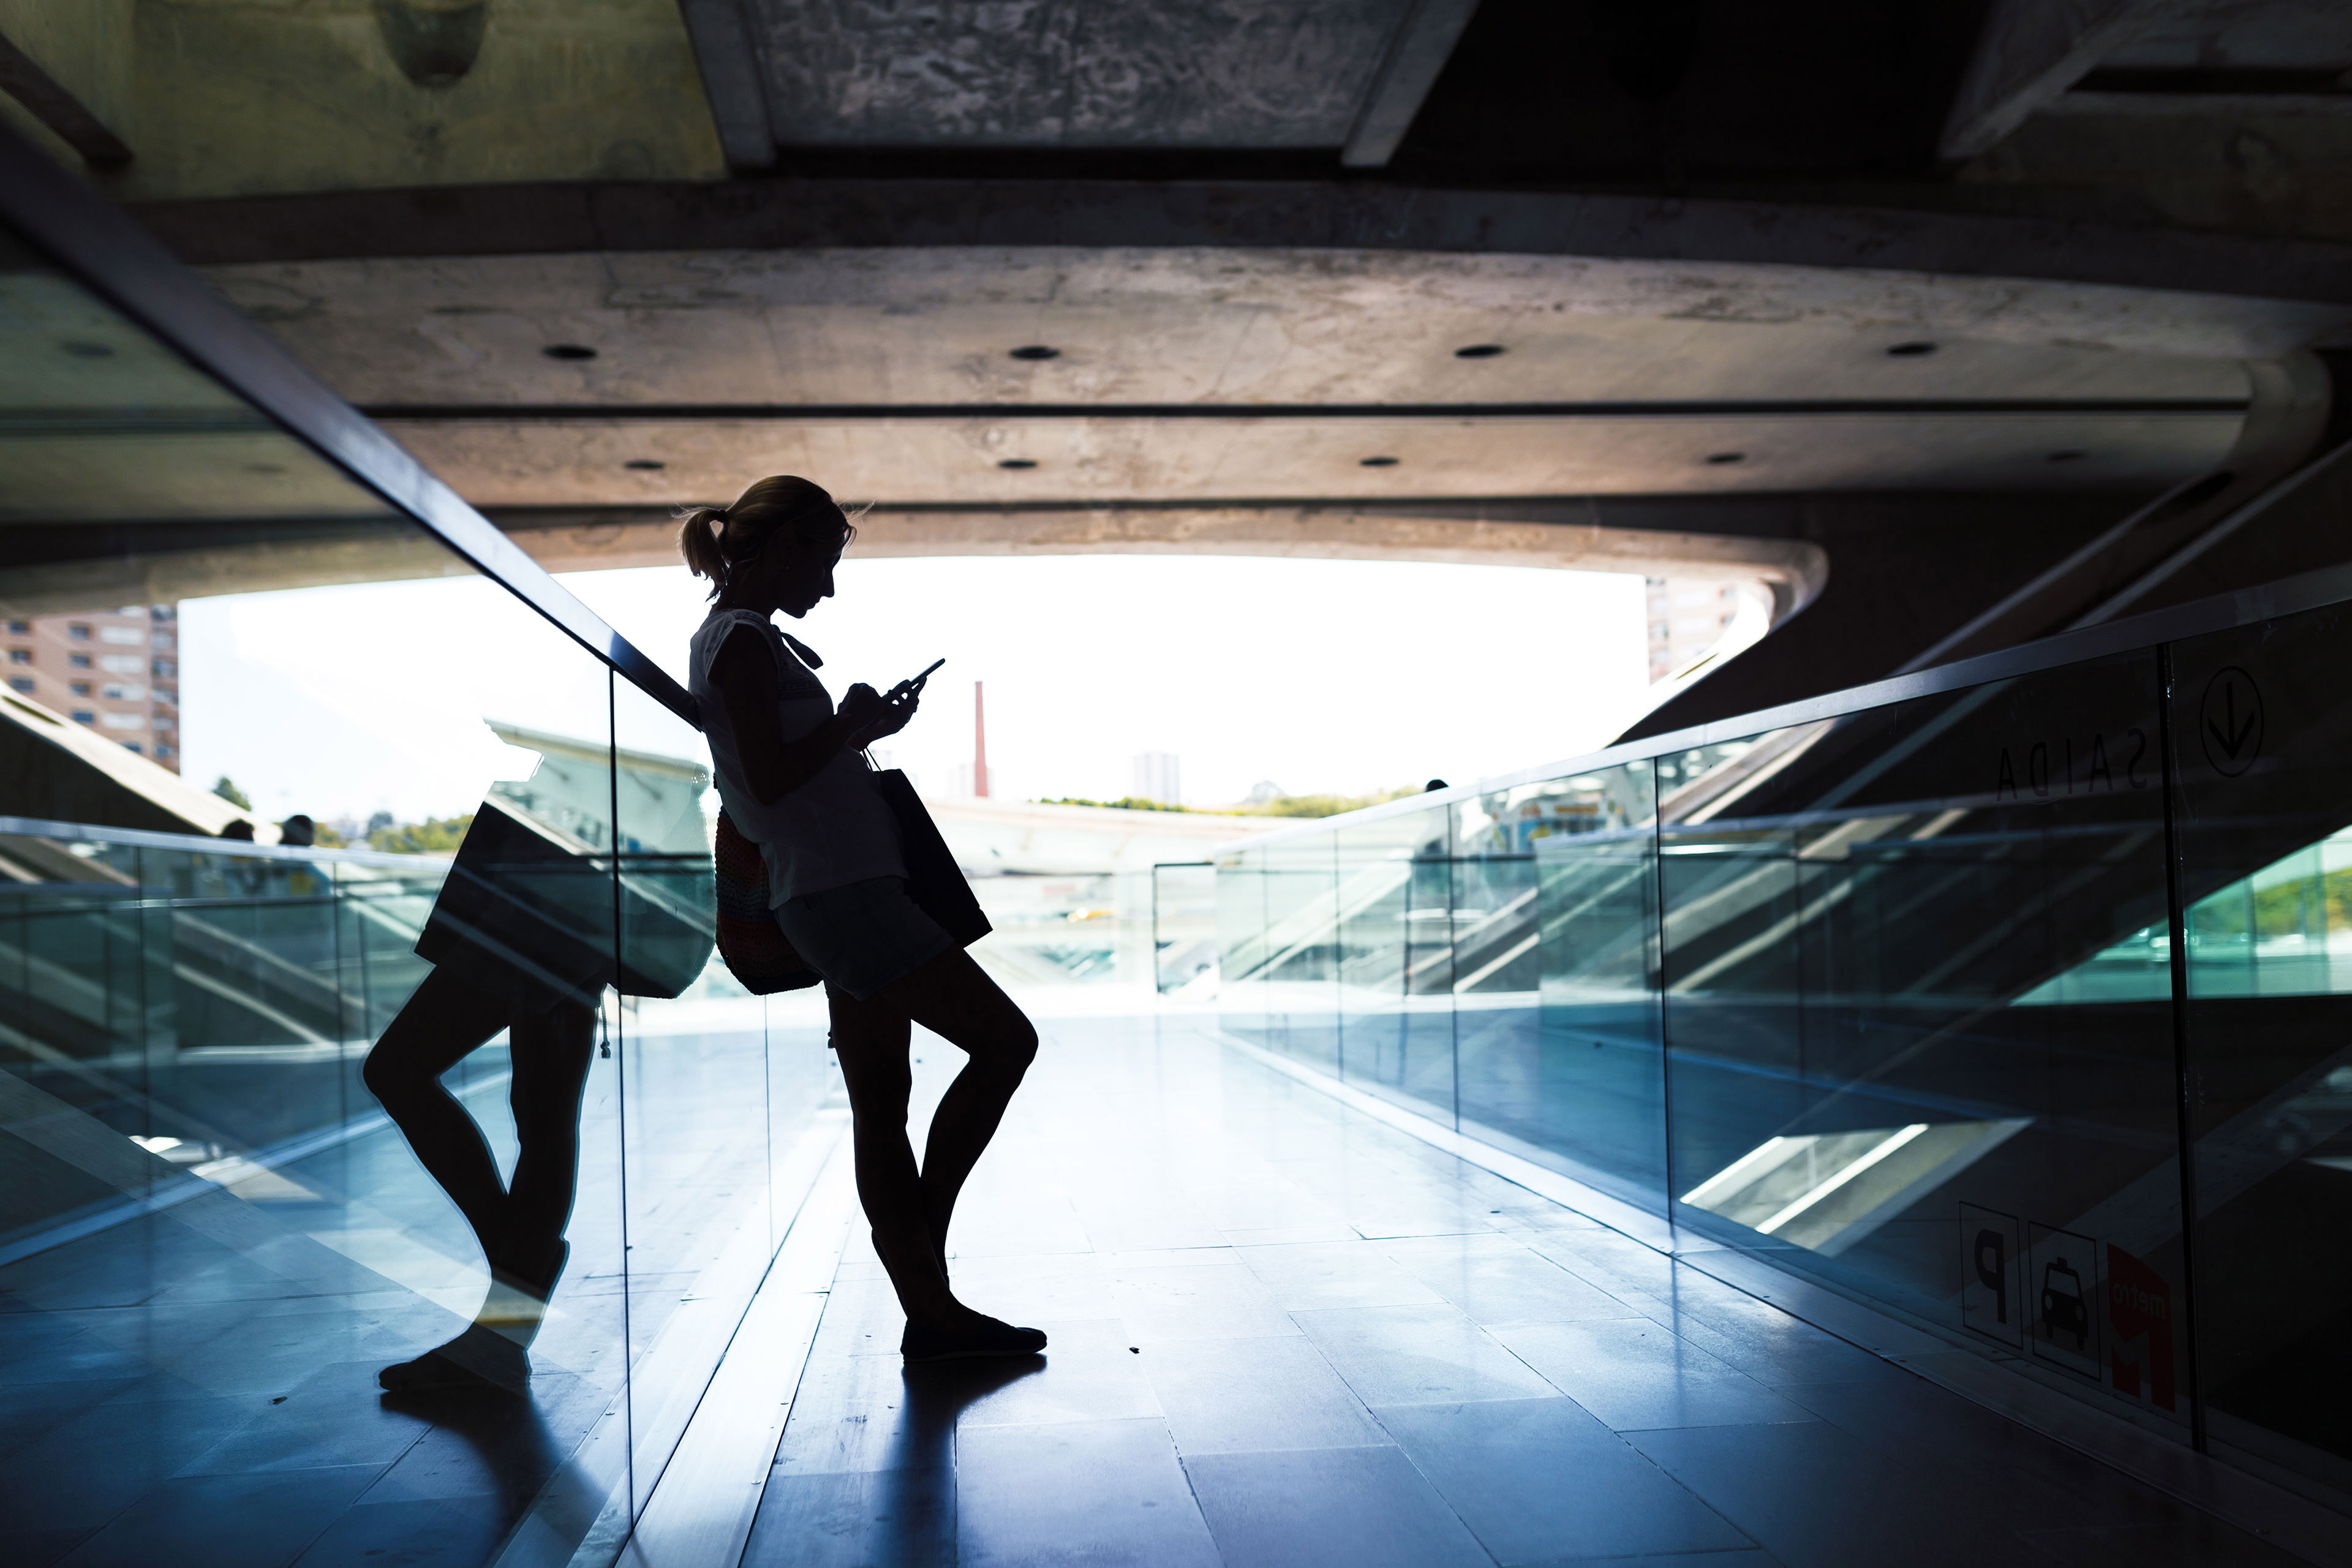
1199	276
219	98
1006	376
1065	73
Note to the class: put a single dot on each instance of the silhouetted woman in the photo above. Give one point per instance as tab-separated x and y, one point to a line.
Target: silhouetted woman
793	782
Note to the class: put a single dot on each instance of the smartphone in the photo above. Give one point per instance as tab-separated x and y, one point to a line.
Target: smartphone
908	687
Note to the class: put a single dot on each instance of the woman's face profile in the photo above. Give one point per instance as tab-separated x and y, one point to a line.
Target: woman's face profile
796	575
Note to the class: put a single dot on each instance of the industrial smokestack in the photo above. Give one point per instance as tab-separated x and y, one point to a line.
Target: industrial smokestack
979	743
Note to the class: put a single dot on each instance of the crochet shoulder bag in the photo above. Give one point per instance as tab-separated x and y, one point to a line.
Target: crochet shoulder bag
755	951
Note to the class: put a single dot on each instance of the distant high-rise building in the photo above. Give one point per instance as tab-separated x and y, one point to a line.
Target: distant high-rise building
117	672
1686	618
1156	776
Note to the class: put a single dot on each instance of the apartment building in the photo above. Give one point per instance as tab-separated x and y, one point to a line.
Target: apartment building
116	671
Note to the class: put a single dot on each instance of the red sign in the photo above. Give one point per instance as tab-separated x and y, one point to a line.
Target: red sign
2139	1314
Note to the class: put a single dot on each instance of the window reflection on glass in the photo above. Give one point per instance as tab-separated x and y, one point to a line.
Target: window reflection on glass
2286	931
1874	930
2261	728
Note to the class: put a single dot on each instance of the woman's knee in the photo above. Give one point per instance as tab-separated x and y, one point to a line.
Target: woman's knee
1009	1047
390	1073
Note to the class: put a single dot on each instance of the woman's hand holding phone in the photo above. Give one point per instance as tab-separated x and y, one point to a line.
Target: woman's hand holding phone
871	715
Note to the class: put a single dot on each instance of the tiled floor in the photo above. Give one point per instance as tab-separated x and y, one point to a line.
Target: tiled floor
1286	1334
197	1387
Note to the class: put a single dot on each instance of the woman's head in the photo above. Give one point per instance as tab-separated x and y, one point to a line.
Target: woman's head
778	542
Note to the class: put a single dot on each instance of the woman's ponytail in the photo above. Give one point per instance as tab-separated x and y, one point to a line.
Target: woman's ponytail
697	542
711	537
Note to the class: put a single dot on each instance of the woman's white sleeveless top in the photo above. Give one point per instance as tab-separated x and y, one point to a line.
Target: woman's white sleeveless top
833	829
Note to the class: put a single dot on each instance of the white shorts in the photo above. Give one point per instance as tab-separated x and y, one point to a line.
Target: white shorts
862	935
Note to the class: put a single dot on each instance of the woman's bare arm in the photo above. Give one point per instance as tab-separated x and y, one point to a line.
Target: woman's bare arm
745	674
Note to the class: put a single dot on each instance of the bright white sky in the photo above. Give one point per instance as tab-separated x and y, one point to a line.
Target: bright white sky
1339	676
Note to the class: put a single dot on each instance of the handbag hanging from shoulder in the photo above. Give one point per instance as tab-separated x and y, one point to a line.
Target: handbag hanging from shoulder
934	880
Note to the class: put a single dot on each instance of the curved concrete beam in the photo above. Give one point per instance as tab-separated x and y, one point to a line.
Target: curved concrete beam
149	568
1007	460
1793	569
1194	322
1109	215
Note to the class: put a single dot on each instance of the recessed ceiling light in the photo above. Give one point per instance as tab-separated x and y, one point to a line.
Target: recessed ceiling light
1911	350
1378	462
569	351
1036	350
1478	351
2071	454
650	465
1727	457
1016	462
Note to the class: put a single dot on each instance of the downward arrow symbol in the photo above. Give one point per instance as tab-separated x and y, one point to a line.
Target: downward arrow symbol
2232	739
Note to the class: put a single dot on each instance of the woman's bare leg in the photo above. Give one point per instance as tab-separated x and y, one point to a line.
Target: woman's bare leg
869	1040
954	998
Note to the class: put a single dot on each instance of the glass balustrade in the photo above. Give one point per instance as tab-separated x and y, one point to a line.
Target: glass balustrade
274	758
2014	1006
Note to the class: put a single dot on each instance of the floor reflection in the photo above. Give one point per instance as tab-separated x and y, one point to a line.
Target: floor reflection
914	1499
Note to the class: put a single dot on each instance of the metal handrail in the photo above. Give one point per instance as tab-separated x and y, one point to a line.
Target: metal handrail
205	844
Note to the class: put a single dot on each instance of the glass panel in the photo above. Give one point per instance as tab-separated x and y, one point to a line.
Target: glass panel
1867	1074
1301	966
1184	928
708	1108
2260	723
1495	960
1395	957
207	1197
1241	948
1600	1084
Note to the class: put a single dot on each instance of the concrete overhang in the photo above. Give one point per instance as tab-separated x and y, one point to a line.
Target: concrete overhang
1201	373
1561	536
612	217
1232	367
